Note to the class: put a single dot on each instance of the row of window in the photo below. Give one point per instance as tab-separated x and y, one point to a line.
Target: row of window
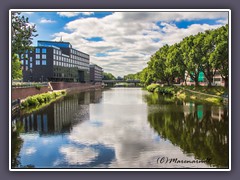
37	56
44	56
70	61
38	50
58	52
41	62
64	64
79	58
73	51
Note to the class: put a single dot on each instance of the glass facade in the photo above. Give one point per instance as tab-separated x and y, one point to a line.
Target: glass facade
53	43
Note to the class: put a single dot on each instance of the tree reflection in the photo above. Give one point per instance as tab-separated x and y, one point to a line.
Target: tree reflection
199	129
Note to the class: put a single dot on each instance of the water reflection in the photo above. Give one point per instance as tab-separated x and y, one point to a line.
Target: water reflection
201	130
121	128
57	119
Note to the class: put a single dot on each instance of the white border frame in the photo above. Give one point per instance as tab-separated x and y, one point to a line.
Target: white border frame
116	10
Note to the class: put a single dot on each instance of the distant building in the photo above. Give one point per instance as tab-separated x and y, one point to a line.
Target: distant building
96	73
217	79
55	61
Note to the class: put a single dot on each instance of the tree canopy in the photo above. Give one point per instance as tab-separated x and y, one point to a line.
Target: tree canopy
205	52
21	41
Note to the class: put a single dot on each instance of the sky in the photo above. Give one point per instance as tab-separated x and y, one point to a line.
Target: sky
122	42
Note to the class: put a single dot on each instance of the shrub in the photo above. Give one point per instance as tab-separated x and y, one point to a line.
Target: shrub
38	86
152	87
33	101
40	98
25	103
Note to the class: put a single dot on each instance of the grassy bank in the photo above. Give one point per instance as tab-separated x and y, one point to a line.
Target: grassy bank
190	93
39	101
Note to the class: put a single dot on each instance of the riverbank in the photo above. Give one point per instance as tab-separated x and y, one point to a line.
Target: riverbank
216	95
42	100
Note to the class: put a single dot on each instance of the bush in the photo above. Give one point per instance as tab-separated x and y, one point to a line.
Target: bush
25	103
38	86
152	87
33	101
165	90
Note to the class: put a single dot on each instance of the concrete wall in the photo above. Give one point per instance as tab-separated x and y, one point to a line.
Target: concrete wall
74	86
22	93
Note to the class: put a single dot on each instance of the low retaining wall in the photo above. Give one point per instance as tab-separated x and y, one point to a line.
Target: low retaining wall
22	93
74	86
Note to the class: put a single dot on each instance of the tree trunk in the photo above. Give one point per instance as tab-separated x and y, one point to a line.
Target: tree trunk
226	82
196	81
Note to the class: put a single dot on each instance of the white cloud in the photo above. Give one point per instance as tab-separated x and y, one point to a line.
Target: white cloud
72	14
133	35
46	21
30	151
121	135
77	156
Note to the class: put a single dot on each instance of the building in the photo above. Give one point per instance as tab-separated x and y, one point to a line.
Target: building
217	79
55	61
96	73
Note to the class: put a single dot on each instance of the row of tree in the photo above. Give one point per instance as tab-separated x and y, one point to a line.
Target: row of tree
205	52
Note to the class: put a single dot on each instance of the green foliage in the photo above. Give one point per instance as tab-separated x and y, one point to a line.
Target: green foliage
41	99
205	52
22	33
165	90
33	101
22	36
152	87
38	86
16	68
108	76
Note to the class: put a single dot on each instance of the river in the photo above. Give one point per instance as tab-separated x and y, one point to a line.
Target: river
122	128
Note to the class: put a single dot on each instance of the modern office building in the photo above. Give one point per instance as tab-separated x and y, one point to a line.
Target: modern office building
55	61
96	73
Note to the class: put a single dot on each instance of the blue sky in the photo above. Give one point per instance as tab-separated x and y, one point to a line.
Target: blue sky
122	42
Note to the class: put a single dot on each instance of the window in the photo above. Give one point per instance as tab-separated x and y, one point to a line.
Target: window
22	56
37	50
44	62
30	51
37	62
54	56
30	59
22	62
30	65
37	56
26	55
44	50
26	62
44	56
26	68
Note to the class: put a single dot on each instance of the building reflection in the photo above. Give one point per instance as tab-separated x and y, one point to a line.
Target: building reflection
199	129
61	116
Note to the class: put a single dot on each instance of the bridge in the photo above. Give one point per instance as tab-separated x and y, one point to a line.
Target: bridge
112	82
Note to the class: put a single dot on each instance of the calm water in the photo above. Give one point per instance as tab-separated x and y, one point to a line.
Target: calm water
122	128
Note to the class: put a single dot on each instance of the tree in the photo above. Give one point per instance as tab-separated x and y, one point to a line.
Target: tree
219	57
191	57
108	76
22	36
16	67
